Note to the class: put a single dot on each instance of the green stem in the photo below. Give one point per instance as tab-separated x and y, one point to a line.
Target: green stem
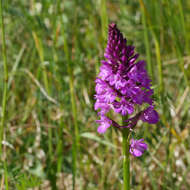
157	47
126	160
159	63
76	138
104	18
6	176
147	42
5	87
4	100
183	24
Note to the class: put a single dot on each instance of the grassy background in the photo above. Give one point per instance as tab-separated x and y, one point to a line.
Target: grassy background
54	48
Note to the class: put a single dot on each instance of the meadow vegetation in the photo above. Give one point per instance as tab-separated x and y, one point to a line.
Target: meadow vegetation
53	51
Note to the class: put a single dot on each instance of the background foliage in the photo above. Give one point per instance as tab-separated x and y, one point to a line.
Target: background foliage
54	48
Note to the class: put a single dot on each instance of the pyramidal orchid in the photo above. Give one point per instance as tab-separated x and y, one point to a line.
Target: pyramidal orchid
124	87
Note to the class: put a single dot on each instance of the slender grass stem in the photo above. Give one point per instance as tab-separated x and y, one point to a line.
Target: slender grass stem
159	63
5	84
181	65
126	158
59	131
104	18
5	89
183	24
157	48
59	149
126	161
76	133
176	43
6	176
75	145
146	40
39	47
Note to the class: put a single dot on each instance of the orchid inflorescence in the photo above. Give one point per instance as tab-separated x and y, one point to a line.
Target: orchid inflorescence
123	85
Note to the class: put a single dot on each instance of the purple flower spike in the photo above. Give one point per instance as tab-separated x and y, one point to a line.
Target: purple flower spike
150	115
138	147
123	82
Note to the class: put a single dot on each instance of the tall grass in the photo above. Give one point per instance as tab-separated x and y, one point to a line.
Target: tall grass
4	100
5	77
75	133
146	40
54	51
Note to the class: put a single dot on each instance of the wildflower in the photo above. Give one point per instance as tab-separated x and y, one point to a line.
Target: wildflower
138	147
122	82
123	85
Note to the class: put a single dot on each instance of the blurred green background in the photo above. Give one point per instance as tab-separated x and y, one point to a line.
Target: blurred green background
54	48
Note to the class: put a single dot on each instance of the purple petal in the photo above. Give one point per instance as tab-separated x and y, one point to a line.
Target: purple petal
104	124
136	153
102	129
138	147
150	115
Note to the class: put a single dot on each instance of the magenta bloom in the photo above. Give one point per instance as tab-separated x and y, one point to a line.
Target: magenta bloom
104	124
123	85
123	82
138	147
150	115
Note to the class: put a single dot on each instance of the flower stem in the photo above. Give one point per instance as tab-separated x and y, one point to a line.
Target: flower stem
126	159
